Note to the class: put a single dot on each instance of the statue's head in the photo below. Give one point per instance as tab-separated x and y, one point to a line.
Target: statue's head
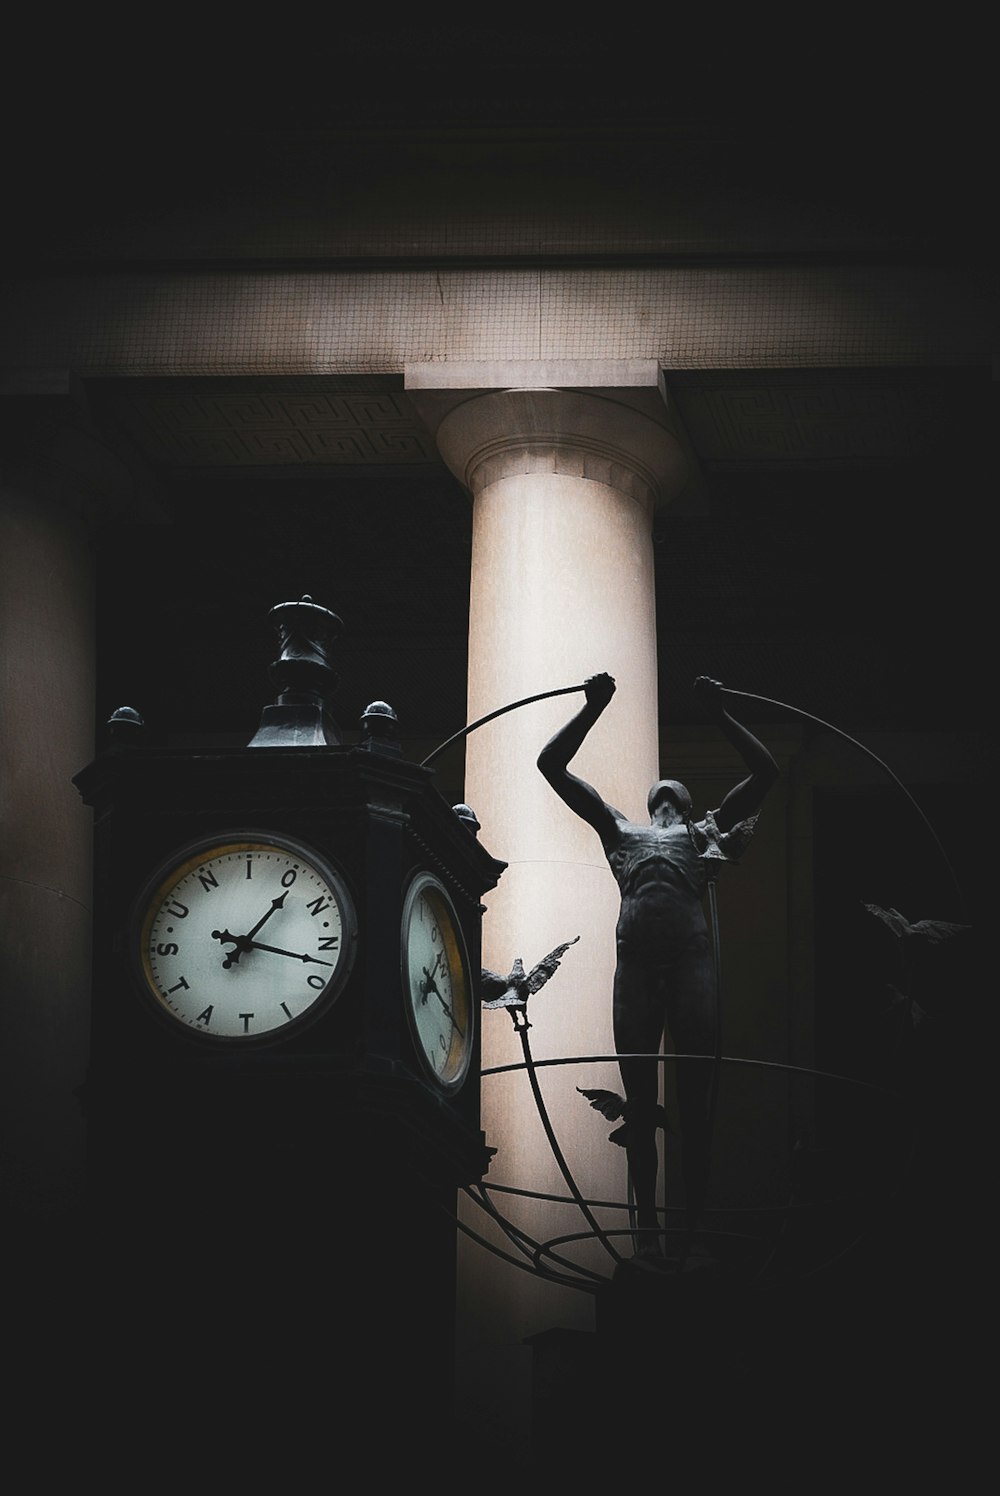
669	789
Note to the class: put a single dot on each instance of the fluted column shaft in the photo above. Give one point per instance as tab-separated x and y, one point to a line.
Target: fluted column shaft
564	485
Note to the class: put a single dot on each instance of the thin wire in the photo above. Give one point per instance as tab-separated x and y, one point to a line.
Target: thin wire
798	712
588	1059
557	1151
512	706
525	1267
665	1210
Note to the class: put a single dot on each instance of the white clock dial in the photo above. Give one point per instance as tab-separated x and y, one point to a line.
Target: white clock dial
242	938
436	982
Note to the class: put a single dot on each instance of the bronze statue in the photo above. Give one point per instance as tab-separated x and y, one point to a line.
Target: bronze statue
665	975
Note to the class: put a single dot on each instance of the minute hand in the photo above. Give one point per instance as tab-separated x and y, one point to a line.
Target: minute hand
454	1021
277	951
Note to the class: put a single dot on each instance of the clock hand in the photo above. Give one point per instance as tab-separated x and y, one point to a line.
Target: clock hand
432	987
428	982
243	943
255	945
275	904
240	944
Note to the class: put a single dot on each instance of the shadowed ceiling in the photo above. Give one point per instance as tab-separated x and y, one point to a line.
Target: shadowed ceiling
830	553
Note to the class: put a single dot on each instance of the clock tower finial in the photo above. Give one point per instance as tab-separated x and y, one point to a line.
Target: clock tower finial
304	676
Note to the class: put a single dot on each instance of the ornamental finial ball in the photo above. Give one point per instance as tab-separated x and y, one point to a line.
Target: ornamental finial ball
380	728
379	711
467	816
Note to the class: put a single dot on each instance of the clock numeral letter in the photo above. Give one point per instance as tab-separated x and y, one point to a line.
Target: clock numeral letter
205	1016
285	1010
249	867
246	1021
177	985
316	982
317	904
179	911
167	950
329	942
288	877
208	880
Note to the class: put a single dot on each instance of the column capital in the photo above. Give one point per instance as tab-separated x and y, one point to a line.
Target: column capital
612	425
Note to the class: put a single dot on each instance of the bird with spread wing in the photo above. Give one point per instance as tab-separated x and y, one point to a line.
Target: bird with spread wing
513	990
933	931
913	938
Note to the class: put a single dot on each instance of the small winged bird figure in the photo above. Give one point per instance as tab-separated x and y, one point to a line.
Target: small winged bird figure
513	990
912	938
933	931
613	1106
713	845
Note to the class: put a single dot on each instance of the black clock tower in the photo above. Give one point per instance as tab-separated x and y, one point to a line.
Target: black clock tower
281	1192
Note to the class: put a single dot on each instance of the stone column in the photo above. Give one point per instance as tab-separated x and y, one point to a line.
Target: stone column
59	484
47	691
564	483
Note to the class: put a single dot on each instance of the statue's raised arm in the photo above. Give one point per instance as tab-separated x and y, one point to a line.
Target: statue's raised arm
745	798
554	758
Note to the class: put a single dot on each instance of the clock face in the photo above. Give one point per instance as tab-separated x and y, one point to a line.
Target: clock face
244	938
436	982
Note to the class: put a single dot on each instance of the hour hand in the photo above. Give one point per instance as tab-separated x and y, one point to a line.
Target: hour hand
244	943
428	985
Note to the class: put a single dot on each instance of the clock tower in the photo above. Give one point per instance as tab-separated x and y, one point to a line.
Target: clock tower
283	1091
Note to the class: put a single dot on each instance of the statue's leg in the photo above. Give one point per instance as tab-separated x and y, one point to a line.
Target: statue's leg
691	1017
638	1029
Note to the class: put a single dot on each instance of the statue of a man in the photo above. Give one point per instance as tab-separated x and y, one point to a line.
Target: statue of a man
665	976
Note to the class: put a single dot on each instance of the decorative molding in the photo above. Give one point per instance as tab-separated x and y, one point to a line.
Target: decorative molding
492	435
761	421
266	428
724	419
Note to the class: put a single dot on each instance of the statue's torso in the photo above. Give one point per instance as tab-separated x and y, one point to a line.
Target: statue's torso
656	857
662	880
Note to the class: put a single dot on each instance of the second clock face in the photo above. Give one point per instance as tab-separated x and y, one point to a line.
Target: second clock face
436	982
242	938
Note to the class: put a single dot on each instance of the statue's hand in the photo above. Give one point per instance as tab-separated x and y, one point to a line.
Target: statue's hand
599	690
709	695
